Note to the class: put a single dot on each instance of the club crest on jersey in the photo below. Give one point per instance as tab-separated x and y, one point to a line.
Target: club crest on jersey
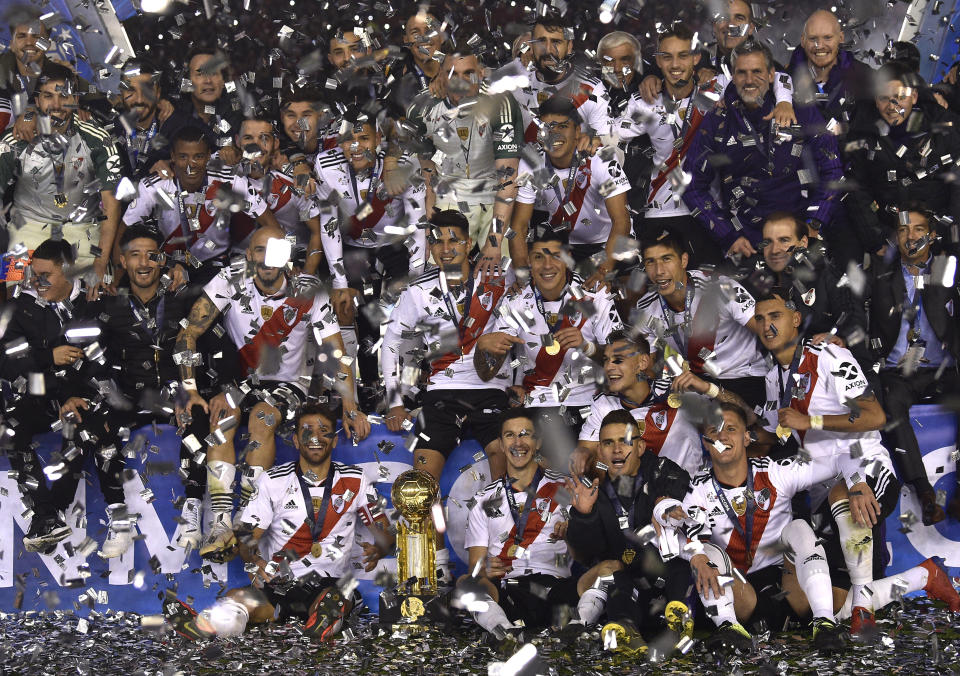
266	312
338	504
660	420
77	162
582	178
543	505
803	384
463	133
209	207
762	498
289	314
486	300
481	129
272	200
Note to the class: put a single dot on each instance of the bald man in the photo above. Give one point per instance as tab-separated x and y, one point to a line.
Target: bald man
823	71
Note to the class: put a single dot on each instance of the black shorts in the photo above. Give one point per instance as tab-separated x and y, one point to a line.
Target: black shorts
536	599
886	488
295	599
772	610
447	413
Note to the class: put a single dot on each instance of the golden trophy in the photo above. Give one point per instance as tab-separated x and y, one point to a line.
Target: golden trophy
416	596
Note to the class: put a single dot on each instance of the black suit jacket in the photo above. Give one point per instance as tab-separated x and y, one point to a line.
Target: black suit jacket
888	298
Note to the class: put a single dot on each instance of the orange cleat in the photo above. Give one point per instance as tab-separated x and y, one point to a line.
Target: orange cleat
939	585
863	625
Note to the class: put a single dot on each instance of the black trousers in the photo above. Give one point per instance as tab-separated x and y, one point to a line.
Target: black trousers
536	598
361	270
899	394
702	249
28	417
642	590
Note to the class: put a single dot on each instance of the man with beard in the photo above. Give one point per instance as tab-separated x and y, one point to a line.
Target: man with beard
650	581
525	576
34	342
52	176
584	196
297	535
555	74
764	170
422	39
135	380
475	141
143	130
272	320
381	231
914	339
296	214
562	328
192	208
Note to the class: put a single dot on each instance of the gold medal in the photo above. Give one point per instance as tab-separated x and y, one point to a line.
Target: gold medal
628	556
512	551
553	349
783	432
739	505
674	400
60	200
316	551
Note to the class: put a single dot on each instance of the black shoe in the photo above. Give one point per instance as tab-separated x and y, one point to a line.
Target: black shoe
326	615
731	635
183	619
45	534
508	643
932	512
571	633
828	637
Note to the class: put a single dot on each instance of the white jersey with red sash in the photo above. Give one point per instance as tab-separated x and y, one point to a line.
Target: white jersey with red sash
491	524
566	376
588	94
666	431
256	322
192	220
575	196
279	508
429	311
763	517
715	329
822	380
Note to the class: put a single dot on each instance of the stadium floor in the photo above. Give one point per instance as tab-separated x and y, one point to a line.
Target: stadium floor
913	640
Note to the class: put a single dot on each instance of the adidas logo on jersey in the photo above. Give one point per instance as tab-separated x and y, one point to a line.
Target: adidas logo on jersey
291	505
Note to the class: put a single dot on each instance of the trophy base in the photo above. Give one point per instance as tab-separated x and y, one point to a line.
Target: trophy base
412	609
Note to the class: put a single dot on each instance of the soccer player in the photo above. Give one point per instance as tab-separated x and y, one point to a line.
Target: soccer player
271	319
525	575
298	533
650	582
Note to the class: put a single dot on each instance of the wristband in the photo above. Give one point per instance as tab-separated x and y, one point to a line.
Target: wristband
816	422
589	348
714	391
190	384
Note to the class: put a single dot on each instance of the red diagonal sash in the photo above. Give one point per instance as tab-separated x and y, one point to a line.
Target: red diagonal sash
696	117
576	198
470	334
274	331
535	523
546	365
357	226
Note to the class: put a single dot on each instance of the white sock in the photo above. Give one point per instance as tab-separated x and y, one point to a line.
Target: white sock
810	562
220	475
492	617
349	336
886	591
856	542
719	610
227	617
591	605
248	483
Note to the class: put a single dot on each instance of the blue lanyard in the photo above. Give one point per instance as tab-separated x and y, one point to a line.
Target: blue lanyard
540	307
786	387
750	507
622	513
142	323
452	308
134	149
680	333
520	520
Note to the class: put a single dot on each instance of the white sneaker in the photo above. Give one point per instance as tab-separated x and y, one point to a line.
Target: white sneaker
220	542
119	532
190	529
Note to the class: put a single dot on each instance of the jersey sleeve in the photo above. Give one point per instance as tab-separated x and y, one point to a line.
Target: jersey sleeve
218	291
507	128
591	426
9	164
414	208
842	371
527	191
478	535
253	204
741	304
605	319
596	109
367	502
793	475
142	207
106	161
322	309
682	445
406	315
633	121
611	179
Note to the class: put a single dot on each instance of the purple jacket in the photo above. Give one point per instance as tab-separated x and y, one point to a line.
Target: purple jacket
725	148
849	81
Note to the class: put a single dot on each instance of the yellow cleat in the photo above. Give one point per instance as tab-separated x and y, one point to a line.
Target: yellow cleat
623	638
679	619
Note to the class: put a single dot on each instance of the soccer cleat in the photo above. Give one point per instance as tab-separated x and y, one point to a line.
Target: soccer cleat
506	643
939	585
190	532
221	544
679	619
828	636
183	619
732	635
326	615
119	535
863	625
571	633
622	637
45	534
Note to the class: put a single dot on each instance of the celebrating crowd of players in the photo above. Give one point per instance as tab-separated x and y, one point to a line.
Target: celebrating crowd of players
683	305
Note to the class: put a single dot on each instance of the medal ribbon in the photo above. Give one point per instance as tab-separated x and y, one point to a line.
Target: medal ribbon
750	507
785	386
316	520
614	498
141	323
520	520
681	334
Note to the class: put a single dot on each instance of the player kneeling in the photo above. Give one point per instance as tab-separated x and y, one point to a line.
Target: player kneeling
520	568
303	519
